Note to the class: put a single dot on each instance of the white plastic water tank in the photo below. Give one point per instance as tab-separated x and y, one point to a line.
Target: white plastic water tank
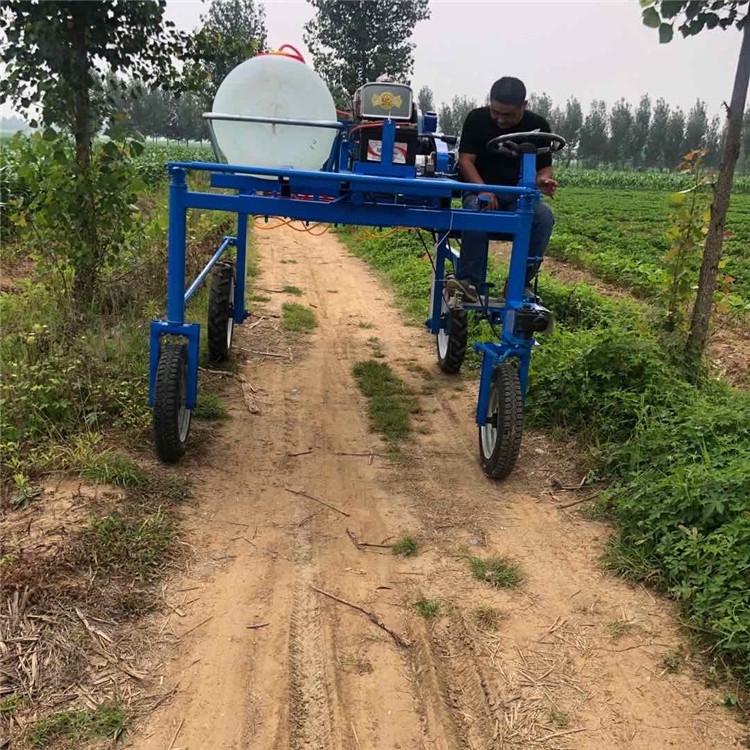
278	85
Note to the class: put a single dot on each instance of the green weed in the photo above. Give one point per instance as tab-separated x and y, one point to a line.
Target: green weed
498	572
405	547
295	290
106	722
115	468
487	617
365	325
391	402
428	608
618	629
11	703
296	317
132	545
559	718
210	406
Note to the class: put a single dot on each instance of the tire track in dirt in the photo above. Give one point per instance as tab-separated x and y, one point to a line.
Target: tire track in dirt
310	707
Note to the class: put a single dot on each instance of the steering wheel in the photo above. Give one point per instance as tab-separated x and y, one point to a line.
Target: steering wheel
511	144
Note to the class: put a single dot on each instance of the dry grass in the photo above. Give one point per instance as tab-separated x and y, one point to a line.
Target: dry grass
74	653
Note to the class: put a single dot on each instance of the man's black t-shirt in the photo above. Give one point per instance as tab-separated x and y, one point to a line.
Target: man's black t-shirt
495	169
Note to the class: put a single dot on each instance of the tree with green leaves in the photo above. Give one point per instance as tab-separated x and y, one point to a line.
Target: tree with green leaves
713	142
691	18
674	139
696	126
426	100
639	133
594	137
54	55
354	42
541	104
232	32
570	127
621	132
657	134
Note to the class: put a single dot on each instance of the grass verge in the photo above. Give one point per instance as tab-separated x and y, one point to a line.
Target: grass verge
498	572
71	728
296	317
390	401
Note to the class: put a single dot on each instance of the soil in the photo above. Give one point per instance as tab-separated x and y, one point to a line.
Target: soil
572	658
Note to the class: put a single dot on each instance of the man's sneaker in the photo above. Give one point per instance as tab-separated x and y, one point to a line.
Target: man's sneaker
466	290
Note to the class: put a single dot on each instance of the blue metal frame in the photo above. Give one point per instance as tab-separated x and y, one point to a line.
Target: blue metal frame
381	197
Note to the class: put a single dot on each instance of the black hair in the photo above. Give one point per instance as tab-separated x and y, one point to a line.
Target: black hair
508	91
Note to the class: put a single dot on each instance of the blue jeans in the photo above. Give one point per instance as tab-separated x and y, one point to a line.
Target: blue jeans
475	245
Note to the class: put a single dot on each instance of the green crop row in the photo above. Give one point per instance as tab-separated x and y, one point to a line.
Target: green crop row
621	236
630	179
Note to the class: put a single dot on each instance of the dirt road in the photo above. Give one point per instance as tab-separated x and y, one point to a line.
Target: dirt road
574	658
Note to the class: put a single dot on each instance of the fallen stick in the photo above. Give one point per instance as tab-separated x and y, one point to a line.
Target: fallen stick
195	627
257	323
299	453
359	544
223	373
249	400
345	453
266	354
577	502
402	642
567	731
257	626
318	500
174	739
355	542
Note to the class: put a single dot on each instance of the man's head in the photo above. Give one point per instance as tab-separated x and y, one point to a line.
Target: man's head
507	101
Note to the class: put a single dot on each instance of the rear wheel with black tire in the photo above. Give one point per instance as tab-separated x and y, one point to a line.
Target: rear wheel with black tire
221	312
452	341
500	435
171	417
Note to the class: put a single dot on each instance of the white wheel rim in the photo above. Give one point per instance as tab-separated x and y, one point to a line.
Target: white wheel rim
230	320
488	429
183	418
443	337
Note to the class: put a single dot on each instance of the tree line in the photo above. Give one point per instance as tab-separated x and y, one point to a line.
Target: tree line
649	135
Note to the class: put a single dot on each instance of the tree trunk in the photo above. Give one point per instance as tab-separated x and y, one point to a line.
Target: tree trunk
715	237
86	260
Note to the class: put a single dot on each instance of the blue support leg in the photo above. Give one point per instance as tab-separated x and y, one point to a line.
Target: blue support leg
176	250
489	360
240	313
442	252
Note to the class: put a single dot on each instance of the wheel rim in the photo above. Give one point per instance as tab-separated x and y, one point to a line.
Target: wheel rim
183	417
230	319
489	428
443	336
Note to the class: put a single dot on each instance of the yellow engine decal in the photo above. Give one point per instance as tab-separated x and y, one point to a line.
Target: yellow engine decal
386	100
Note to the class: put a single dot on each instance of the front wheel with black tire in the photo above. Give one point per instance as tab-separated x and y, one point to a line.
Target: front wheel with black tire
171	417
500	435
221	312
452	341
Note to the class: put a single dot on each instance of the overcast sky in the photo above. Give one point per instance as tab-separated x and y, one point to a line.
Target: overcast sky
587	48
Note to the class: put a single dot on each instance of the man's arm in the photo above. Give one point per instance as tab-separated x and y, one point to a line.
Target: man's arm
546	182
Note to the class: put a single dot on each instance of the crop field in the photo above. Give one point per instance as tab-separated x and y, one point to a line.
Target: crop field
620	235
